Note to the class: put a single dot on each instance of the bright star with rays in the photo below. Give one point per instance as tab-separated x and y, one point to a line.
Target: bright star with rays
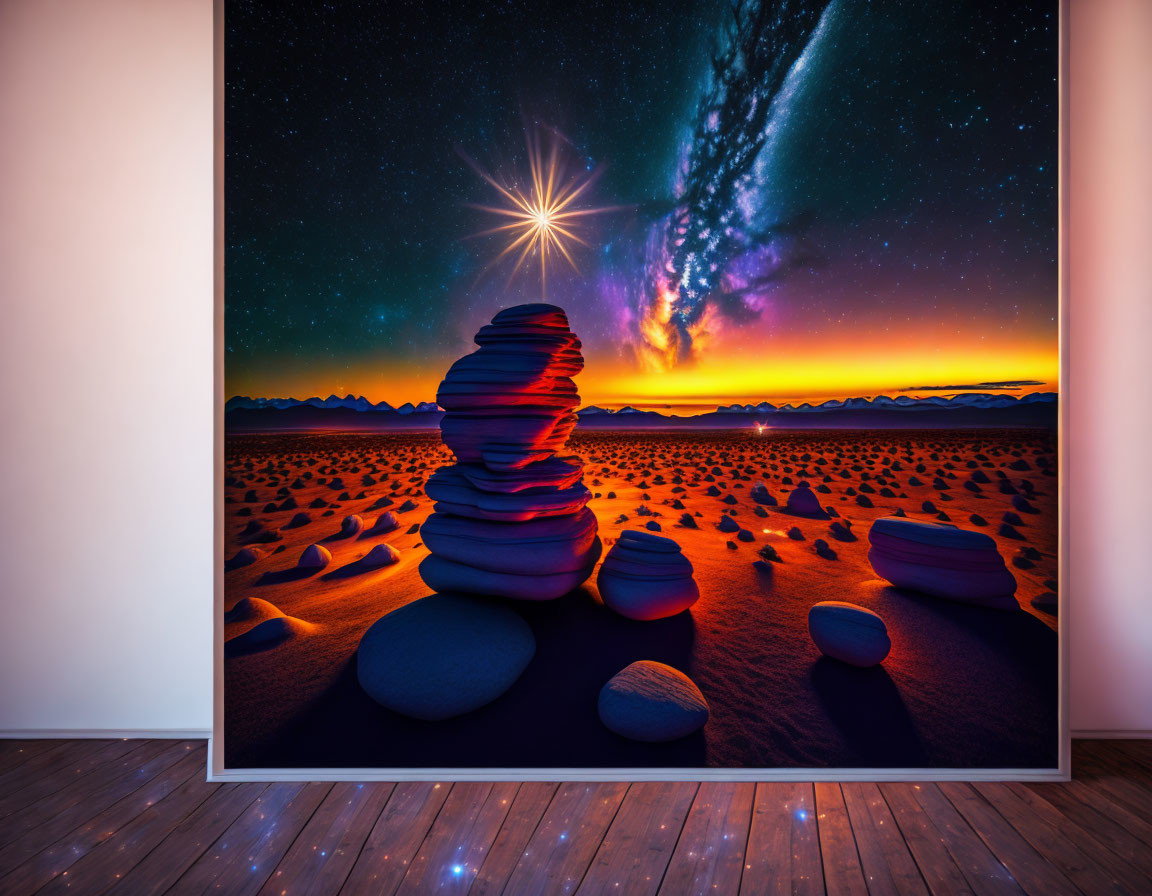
544	218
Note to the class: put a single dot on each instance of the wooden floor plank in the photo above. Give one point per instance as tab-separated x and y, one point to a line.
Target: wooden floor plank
137	819
1058	840
783	854
1106	772
42	786
322	856
103	866
1134	756
935	862
1033	873
640	841
562	847
10	745
14	753
395	838
57	862
888	866
247	853
1104	821
709	856
843	872
42	824
458	841
157	871
48	763
532	801
1138	752
986	874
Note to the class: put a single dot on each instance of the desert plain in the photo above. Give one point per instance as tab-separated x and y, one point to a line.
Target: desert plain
964	686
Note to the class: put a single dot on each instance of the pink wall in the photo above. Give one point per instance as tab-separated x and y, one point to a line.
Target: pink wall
106	359
1109	407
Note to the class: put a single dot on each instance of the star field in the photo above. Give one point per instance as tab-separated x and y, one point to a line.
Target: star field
904	194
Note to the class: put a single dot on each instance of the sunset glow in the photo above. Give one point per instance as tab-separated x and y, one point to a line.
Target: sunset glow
777	373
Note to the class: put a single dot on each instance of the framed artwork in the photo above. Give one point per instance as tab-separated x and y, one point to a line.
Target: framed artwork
639	390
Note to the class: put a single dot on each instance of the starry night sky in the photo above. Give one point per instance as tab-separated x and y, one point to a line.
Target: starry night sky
909	168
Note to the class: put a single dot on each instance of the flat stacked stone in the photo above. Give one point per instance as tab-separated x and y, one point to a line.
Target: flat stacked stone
941	560
646	577
510	517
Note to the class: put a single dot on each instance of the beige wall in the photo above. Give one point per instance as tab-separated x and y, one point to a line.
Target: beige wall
106	354
105	363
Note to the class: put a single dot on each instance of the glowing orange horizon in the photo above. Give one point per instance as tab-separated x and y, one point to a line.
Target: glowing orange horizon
776	370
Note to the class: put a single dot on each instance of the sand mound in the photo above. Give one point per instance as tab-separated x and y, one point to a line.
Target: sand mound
252	609
267	634
243	557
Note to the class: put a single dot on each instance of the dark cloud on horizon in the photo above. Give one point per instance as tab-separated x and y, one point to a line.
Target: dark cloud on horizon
999	385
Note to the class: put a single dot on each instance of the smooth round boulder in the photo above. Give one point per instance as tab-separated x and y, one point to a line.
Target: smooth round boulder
443	655
851	634
651	702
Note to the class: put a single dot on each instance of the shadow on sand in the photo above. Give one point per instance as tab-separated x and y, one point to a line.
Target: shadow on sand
348	570
294	574
548	718
866	706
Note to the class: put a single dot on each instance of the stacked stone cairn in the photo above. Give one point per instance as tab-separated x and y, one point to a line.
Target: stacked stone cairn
510	519
510	516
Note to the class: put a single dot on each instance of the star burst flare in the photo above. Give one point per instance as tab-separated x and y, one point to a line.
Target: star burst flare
543	218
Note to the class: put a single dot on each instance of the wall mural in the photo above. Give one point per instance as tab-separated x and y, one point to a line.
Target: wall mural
691	374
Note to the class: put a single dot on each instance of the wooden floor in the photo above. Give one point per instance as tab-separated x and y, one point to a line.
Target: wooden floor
137	817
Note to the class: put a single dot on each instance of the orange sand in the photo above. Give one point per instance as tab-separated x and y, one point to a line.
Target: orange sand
963	686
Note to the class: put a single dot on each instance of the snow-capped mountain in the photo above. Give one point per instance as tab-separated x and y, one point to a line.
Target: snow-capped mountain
352	402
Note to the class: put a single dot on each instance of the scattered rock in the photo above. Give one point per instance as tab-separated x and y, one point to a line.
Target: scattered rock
849	633
651	702
823	549
768	552
760	494
1048	602
803	501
